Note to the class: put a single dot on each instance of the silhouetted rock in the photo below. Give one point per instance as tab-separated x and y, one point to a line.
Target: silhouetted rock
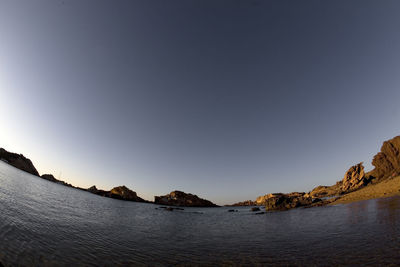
387	161
232	210
279	201
243	203
179	198
18	161
49	177
93	189
255	209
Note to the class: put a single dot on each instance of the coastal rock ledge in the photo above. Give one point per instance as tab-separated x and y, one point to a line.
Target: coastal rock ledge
182	199
279	201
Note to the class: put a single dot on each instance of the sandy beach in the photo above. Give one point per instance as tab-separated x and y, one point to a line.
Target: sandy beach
387	188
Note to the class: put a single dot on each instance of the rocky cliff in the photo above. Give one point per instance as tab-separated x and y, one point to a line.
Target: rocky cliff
179	198
387	161
18	161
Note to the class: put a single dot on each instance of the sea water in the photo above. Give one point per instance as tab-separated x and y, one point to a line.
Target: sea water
47	224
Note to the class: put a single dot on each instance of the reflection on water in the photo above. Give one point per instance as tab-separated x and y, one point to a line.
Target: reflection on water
42	223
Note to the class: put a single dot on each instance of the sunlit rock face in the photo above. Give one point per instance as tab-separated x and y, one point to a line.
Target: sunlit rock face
119	192
179	198
354	179
18	161
124	193
387	161
279	201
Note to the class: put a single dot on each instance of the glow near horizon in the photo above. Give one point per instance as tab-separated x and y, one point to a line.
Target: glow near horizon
194	130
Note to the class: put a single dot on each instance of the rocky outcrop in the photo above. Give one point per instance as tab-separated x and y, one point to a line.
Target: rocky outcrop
279	201
119	192
353	179
93	189
18	161
243	203
387	161
49	177
179	198
123	192
325	191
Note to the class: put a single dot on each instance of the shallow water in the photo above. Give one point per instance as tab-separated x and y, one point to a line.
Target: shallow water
46	224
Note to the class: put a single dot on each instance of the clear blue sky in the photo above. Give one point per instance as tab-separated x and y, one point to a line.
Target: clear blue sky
225	99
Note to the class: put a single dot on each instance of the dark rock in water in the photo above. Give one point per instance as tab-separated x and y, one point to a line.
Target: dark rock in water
179	198
232	210
353	179
387	161
18	161
279	201
170	208
255	209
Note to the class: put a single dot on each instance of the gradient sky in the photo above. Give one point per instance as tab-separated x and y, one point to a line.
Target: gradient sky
225	99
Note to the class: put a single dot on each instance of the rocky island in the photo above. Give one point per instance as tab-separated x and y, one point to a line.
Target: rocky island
119	192
179	198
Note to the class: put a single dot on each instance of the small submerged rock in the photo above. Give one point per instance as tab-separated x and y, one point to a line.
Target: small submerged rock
170	208
255	209
232	210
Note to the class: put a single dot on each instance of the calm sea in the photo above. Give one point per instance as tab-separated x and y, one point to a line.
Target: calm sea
46	224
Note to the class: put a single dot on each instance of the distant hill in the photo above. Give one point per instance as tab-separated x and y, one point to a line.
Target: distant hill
18	161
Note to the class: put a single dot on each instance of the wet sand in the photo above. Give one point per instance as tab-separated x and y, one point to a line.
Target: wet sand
387	188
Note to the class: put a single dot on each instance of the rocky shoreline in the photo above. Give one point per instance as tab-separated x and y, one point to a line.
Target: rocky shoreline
382	181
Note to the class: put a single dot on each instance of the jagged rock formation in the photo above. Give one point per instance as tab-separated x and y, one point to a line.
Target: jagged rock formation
18	161
279	201
387	161
119	192
354	178
179	198
244	203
